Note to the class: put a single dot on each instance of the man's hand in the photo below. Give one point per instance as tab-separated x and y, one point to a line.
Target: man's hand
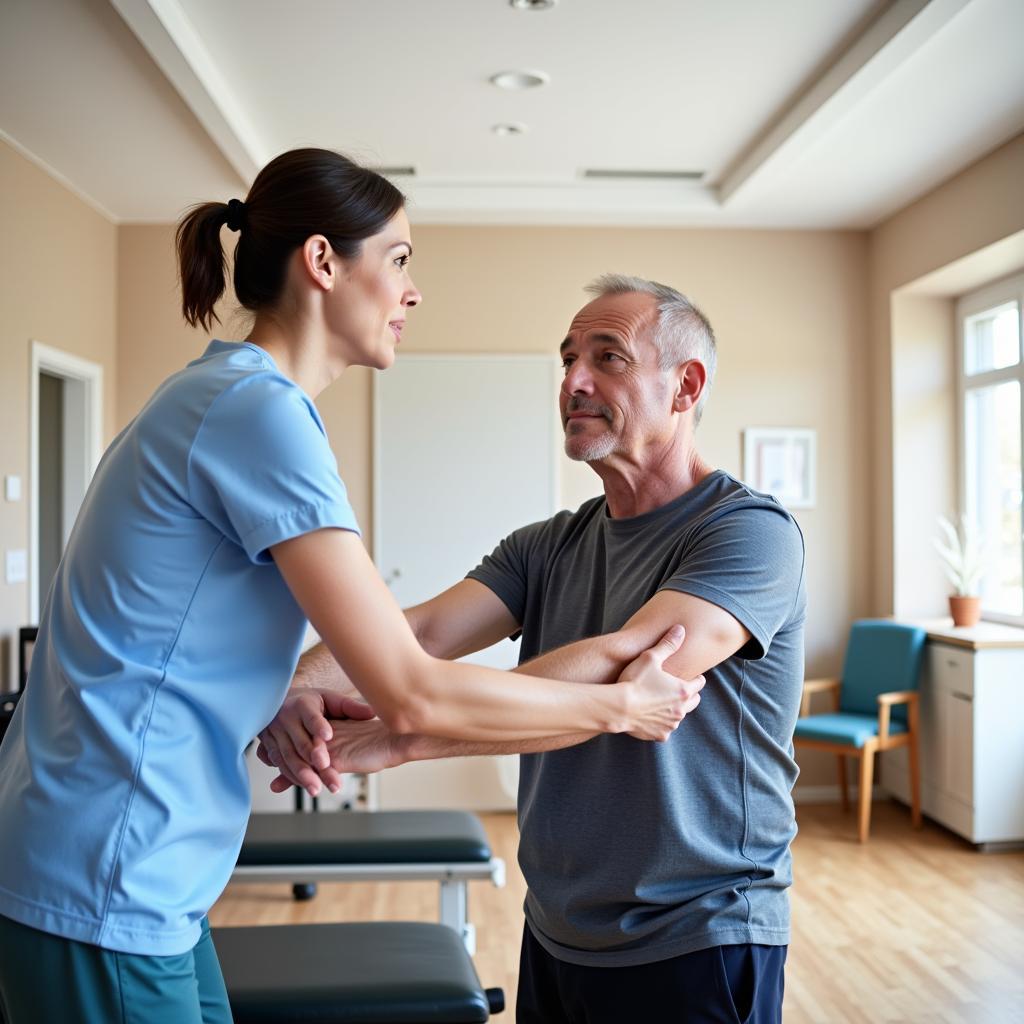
665	700
365	747
295	742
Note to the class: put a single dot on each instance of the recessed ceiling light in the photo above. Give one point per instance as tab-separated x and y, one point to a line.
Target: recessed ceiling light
519	80
509	128
532	5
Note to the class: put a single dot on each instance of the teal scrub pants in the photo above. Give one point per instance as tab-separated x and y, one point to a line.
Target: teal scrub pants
45	977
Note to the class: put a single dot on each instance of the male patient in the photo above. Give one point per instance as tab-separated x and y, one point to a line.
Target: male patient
667	862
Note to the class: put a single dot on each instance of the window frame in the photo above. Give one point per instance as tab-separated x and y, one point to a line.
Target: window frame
1010	289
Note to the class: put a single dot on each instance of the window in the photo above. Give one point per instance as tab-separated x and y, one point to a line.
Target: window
991	378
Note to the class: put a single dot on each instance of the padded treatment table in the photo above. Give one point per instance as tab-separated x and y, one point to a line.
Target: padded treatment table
360	846
374	973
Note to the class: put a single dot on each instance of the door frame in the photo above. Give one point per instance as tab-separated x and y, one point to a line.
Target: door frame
83	433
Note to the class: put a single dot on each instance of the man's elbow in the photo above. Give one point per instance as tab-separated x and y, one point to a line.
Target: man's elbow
427	628
431	639
627	644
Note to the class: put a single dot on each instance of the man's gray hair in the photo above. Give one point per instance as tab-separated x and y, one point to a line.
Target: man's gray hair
681	332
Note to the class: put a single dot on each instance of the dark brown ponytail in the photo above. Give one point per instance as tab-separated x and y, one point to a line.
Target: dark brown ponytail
202	264
300	193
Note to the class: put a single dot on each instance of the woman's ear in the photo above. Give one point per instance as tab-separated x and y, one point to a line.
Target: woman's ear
691	377
317	262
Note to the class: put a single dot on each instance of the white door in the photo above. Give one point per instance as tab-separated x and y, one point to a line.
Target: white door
465	451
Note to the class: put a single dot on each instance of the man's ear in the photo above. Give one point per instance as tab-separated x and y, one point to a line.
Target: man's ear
317	263
690	379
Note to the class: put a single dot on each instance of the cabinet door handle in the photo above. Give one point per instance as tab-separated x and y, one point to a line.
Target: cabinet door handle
950	663
963	696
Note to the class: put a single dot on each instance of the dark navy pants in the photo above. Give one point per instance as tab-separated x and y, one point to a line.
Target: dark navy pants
720	985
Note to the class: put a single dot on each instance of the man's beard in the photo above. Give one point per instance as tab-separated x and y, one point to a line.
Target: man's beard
591	449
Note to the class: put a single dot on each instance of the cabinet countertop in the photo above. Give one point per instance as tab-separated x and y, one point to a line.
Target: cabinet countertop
980	637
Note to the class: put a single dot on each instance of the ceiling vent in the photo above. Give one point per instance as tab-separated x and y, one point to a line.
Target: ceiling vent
517	81
641	175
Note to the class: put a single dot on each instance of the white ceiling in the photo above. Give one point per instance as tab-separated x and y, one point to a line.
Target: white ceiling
799	113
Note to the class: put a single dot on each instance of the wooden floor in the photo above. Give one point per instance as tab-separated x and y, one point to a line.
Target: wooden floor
912	927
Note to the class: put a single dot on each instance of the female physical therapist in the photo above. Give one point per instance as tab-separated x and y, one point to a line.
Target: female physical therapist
215	520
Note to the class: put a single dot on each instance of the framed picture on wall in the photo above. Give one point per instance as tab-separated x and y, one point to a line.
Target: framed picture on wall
781	461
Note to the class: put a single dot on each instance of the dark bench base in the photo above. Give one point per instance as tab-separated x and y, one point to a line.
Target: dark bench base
365	973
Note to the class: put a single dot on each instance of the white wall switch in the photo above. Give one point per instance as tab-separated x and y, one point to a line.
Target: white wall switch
17	566
12	488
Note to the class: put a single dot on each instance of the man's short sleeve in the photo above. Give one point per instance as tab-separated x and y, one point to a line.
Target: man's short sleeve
506	570
749	561
261	469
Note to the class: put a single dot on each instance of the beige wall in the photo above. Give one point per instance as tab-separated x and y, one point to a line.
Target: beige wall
972	211
58	286
923	446
153	339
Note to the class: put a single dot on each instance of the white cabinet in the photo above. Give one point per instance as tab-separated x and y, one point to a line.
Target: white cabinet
972	737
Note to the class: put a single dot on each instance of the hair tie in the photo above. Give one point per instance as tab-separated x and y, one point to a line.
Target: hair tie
236	215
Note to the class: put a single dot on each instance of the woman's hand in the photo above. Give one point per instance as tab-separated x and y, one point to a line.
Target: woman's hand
659	700
295	742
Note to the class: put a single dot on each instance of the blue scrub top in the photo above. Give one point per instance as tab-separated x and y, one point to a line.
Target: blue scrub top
167	642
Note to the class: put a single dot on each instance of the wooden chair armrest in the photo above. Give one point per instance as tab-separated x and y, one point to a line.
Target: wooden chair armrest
819	685
897	697
813	686
885	704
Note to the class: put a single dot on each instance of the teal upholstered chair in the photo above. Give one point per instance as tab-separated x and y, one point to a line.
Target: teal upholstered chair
875	708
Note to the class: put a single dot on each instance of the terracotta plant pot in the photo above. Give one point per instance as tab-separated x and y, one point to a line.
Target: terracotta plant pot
966	611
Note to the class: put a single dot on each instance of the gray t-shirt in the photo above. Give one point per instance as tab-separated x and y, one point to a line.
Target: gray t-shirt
636	852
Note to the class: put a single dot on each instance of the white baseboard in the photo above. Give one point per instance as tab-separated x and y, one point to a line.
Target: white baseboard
830	794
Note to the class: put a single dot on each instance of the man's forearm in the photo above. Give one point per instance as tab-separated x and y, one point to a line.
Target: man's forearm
318	669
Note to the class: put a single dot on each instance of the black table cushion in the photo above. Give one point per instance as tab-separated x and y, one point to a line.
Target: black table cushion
364	973
383	837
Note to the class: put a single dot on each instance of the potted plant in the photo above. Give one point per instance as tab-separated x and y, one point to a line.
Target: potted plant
960	551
